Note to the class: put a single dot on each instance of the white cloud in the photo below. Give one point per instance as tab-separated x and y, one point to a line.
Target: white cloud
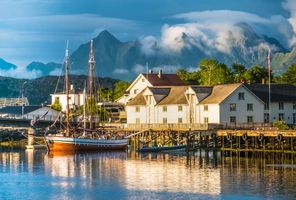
219	31
21	72
149	45
56	72
290	5
221	17
120	71
137	69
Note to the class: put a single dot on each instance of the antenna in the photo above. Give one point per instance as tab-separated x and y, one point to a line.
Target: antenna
147	70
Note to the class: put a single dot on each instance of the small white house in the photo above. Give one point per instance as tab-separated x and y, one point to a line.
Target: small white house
75	99
149	80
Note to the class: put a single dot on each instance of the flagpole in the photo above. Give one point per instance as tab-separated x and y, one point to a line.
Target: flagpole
269	96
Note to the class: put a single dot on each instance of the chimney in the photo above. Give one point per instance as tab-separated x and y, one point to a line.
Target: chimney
150	71
159	73
71	88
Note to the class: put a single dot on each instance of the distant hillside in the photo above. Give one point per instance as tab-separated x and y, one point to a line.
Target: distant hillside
38	90
281	61
44	68
6	65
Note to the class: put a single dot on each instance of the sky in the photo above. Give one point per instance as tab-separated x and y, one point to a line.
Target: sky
37	30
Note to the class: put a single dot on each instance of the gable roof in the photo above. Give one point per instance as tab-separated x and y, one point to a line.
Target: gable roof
137	100
278	92
220	93
17	110
165	80
176	96
201	91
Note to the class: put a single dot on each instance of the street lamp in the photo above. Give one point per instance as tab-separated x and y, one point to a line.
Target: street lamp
23	88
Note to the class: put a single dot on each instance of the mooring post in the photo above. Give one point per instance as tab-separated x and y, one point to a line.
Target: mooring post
31	136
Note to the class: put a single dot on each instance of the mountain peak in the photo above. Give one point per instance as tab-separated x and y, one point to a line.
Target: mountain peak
106	35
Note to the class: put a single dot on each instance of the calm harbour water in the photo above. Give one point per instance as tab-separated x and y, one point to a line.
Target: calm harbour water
119	175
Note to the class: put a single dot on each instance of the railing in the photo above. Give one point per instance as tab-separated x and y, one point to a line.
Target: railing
242	126
197	126
167	126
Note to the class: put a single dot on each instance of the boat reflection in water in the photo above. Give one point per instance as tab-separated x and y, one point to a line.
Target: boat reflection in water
121	175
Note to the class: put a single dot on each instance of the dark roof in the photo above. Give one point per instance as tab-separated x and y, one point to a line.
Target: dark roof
160	91
17	110
202	91
165	80
278	92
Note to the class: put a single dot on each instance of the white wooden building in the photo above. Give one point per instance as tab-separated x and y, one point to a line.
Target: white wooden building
159	105
230	104
149	80
283	101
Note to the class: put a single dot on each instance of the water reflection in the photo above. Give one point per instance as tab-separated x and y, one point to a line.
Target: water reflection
121	175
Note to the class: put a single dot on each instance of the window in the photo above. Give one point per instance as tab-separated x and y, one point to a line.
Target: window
180	108
241	96
266	117
249	107
164	120
137	108
281	105
164	108
135	91
250	119
137	120
143	80
232	107
232	119
206	107
294	118
281	117
266	106
180	120
206	120
294	105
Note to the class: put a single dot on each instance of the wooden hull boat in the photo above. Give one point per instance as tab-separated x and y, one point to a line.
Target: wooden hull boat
163	148
69	144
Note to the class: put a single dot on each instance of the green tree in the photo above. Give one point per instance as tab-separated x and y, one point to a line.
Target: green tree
56	105
290	75
119	89
212	72
238	72
192	78
256	74
105	94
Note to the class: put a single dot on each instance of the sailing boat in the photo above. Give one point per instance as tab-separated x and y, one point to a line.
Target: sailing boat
71	140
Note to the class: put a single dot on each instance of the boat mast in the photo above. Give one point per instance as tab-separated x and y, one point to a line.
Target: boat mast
84	110
91	80
67	92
